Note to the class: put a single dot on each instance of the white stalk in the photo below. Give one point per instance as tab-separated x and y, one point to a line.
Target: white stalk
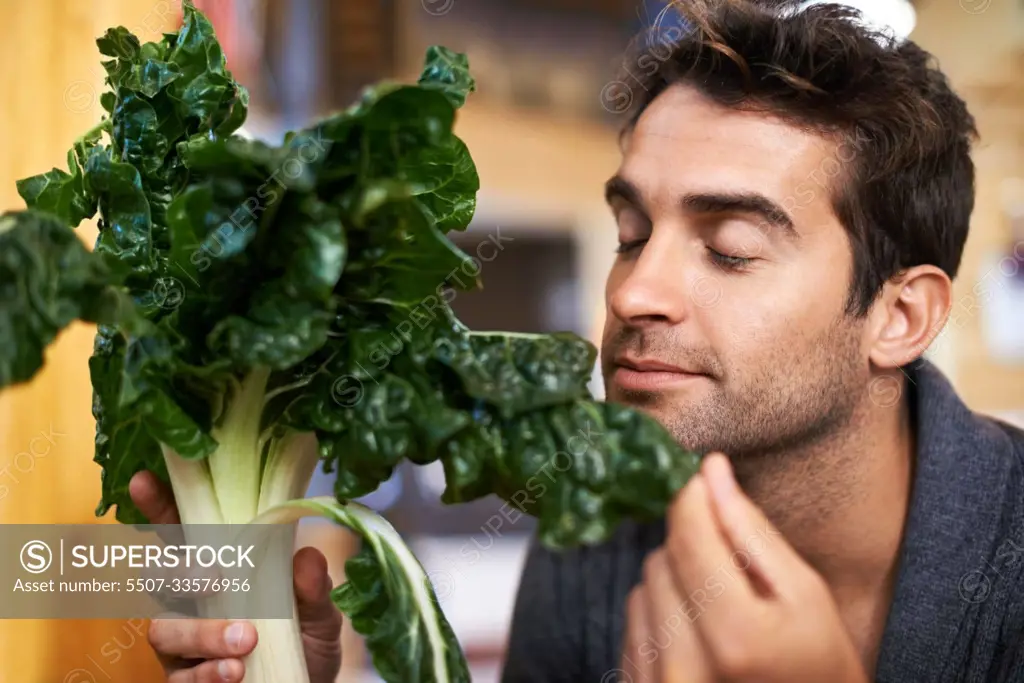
193	489
279	656
226	489
229	487
394	555
289	469
235	466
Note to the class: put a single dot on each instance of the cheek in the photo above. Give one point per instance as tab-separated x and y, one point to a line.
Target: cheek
736	332
790	299
756	335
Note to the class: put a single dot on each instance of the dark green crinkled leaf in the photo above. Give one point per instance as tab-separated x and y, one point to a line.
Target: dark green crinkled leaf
311	282
379	612
445	182
137	134
514	373
61	193
119	42
126	231
404	258
123	445
580	468
48	279
447	72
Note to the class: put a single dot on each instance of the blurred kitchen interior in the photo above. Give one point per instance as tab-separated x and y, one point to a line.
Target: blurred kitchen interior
542	131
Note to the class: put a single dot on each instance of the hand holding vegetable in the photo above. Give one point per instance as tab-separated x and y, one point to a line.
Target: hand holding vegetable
210	650
726	598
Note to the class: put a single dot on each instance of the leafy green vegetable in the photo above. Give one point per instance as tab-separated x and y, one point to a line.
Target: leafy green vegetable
47	280
267	309
387	596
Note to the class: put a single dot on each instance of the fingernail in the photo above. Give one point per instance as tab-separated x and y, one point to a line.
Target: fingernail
233	636
224	669
723	486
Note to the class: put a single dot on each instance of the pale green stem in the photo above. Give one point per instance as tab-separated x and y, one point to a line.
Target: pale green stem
382	538
289	469
235	466
279	656
193	489
104	125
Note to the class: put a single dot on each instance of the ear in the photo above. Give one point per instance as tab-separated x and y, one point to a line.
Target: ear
909	313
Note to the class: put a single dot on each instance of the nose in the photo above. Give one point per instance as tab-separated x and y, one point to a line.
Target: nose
650	289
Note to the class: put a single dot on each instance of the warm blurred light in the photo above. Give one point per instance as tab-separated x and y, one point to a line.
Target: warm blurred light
896	17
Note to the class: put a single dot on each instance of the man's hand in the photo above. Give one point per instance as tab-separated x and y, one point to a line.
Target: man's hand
726	598
210	650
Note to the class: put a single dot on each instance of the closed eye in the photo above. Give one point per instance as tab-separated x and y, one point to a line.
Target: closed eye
730	262
625	247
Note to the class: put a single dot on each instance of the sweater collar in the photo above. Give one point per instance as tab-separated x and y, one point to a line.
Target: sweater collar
961	480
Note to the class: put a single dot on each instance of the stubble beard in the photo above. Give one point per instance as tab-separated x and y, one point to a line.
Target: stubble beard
769	416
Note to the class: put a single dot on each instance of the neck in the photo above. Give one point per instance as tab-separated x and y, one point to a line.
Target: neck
842	503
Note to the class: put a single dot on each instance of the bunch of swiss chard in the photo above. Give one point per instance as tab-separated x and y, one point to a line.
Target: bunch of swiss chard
264	309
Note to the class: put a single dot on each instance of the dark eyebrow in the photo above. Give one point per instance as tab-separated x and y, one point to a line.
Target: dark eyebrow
751	203
618	187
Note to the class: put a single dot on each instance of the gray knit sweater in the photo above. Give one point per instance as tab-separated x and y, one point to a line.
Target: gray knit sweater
958	610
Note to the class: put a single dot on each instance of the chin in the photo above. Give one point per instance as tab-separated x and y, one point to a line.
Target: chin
673	400
654	404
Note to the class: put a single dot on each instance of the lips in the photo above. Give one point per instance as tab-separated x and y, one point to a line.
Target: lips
652	365
648	374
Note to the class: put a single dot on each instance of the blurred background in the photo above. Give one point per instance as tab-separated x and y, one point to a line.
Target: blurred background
542	130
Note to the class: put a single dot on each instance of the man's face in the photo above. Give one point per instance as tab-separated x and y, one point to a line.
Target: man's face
733	269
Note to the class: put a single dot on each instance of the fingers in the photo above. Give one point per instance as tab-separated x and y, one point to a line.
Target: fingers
702	562
312	582
673	637
637	664
221	671
698	551
201	638
748	530
319	618
153	498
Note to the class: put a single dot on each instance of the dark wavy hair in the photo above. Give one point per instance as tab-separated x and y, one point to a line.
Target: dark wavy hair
903	184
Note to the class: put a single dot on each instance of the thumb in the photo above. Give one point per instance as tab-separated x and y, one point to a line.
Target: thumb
770	557
319	618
